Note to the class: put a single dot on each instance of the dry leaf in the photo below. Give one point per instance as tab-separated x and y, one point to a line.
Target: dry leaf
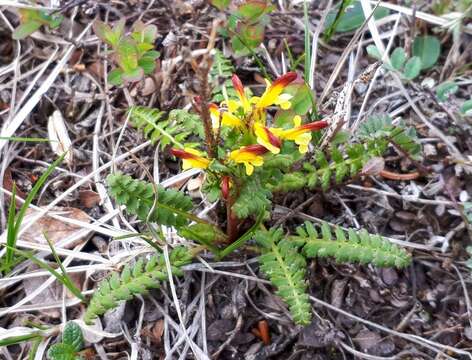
57	133
55	230
53	292
374	166
89	198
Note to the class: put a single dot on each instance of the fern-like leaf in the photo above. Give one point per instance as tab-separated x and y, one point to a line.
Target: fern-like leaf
379	128
359	246
174	128
134	280
167	207
253	198
282	263
220	75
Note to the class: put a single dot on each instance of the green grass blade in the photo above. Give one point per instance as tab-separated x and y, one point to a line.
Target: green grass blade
19	339
307	42
25	139
12	232
67	281
63	279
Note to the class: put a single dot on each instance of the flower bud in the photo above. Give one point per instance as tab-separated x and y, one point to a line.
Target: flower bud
225	187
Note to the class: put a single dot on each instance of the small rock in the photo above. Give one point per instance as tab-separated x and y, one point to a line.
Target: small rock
429	150
367	339
317	336
389	276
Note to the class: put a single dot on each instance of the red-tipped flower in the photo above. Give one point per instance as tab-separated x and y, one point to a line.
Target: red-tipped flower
191	158
273	93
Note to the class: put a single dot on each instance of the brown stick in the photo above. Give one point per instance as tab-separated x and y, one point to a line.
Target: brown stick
394	176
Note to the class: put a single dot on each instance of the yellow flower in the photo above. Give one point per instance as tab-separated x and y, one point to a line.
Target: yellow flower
250	156
243	101
273	93
191	158
226	118
267	139
301	134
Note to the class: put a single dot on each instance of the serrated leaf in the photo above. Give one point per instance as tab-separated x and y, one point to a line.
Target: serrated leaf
398	58
428	49
134	280
72	335
445	90
25	29
61	351
412	68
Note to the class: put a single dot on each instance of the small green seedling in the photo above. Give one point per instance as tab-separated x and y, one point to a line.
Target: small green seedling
409	69
72	343
133	53
246	25
31	20
426	51
348	16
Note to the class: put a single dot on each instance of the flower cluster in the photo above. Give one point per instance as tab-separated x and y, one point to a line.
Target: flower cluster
248	118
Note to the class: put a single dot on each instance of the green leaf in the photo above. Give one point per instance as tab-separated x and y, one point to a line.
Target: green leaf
302	102
62	351
428	49
133	75
412	68
220	4
115	77
248	36
251	10
148	63
466	108
374	52
13	231
144	33
446	89
72	335
25	29
167	207
398	58
55	21
204	234
286	269
127	55
358	246
253	198
105	33
353	17
136	279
